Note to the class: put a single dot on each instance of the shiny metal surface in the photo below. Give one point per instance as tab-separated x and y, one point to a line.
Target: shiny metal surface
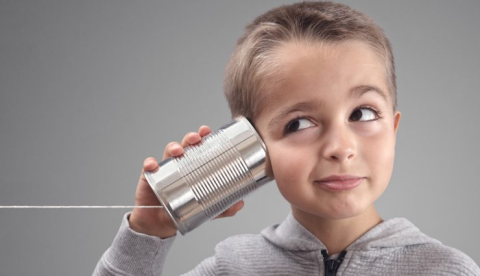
225	167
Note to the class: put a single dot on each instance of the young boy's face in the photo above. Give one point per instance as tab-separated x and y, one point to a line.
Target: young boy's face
329	126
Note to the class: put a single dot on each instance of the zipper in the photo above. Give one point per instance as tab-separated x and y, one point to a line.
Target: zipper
331	265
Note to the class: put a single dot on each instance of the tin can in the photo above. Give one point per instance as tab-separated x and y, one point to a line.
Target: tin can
211	176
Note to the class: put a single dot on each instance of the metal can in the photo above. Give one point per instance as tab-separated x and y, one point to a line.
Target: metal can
225	167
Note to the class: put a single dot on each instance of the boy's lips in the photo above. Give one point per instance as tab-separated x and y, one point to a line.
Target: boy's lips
340	182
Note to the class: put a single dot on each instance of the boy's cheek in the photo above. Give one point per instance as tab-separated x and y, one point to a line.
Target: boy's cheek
378	153
378	149
376	141
287	163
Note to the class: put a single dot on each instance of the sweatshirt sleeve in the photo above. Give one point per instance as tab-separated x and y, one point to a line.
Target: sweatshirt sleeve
133	253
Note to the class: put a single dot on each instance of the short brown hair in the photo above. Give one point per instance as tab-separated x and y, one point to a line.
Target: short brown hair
251	60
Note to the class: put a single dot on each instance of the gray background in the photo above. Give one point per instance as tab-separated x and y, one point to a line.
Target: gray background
88	89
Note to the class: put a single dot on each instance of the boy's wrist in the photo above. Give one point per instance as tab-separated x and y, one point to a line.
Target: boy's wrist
151	230
133	253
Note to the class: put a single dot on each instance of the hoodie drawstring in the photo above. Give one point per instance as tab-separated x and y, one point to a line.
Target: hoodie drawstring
331	265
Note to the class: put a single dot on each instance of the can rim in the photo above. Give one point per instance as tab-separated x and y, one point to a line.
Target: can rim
166	207
250	125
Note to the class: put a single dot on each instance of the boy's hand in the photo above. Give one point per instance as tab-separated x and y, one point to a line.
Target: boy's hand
156	222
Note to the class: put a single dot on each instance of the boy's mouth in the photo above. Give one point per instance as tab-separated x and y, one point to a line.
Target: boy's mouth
340	182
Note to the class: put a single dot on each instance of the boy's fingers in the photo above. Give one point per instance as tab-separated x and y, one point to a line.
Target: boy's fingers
232	210
172	149
204	131
150	164
190	138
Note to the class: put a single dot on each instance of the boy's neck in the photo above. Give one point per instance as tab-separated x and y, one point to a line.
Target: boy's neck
337	235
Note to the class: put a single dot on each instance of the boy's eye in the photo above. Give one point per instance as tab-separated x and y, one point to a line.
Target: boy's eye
364	114
298	124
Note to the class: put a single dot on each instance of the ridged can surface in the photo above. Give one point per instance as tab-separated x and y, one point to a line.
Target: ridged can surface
225	167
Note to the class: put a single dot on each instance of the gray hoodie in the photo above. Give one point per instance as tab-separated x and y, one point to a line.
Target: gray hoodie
394	247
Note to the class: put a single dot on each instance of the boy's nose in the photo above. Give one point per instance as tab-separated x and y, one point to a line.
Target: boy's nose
339	145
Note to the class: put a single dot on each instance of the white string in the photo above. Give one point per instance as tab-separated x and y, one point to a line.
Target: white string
76	207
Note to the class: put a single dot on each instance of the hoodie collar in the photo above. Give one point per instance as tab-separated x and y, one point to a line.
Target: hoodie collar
392	233
291	235
395	232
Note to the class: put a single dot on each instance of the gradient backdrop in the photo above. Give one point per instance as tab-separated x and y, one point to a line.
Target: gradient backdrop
88	89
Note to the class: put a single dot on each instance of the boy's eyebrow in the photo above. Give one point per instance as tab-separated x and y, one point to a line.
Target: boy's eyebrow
358	91
301	106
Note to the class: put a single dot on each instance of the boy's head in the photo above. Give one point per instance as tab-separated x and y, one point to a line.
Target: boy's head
317	80
253	62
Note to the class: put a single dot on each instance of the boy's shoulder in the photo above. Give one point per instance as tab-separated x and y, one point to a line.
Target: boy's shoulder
441	259
399	247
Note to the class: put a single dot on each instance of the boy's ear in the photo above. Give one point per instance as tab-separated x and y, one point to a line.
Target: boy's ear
396	121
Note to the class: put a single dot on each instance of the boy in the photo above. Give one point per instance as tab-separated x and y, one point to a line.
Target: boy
318	82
